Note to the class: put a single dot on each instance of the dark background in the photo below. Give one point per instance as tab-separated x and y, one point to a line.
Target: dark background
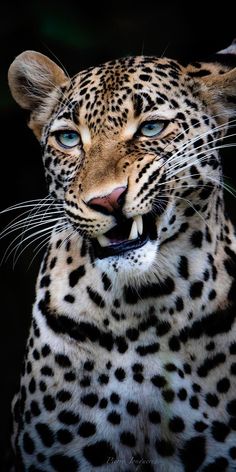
79	34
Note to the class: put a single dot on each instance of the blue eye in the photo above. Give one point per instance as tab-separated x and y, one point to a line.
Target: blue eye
67	138
152	128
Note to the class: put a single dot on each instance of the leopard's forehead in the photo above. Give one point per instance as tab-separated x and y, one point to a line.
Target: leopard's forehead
114	90
137	72
133	66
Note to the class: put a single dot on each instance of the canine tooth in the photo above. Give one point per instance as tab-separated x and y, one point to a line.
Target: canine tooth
134	231
139	222
103	240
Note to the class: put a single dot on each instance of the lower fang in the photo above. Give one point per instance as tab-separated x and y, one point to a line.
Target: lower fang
134	231
139	221
103	241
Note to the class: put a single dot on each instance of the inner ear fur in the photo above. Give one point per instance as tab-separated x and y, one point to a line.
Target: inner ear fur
32	76
35	82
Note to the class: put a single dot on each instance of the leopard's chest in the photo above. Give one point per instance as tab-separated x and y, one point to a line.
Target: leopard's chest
143	407
115	391
97	396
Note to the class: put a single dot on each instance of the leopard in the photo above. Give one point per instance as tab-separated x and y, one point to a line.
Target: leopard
130	363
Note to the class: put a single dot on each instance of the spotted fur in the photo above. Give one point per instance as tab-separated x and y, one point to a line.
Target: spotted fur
131	358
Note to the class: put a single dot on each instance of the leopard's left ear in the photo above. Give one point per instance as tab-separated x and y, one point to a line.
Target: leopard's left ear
215	82
219	93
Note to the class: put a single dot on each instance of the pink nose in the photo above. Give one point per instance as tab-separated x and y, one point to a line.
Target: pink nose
110	202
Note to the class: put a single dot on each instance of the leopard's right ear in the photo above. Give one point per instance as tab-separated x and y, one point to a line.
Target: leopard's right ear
32	77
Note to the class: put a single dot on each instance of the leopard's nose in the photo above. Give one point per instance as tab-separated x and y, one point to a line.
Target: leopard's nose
109	203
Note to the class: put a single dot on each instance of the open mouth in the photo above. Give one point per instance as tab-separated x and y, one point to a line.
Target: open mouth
127	235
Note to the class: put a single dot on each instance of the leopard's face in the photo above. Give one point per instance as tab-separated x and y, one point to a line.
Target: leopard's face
121	150
130	149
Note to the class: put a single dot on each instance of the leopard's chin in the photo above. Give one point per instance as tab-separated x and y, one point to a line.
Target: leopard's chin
128	236
134	264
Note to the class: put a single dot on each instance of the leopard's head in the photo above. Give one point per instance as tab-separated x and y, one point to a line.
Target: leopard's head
130	147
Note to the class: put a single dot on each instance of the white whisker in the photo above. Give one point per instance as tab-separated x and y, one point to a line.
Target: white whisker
39	247
26	218
34	224
189	204
45	241
35	235
220	127
194	160
18	236
175	156
189	142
